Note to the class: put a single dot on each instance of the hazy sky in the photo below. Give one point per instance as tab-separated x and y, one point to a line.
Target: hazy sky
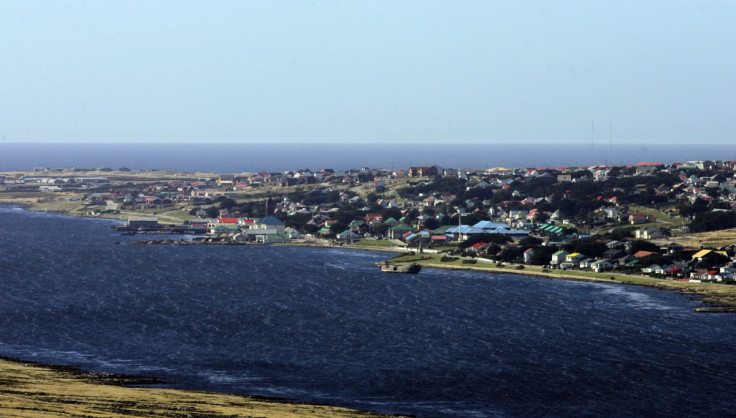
369	71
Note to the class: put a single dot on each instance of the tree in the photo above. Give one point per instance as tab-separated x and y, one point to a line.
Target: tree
640	245
431	223
657	259
511	254
338	227
212	212
713	259
543	254
297	221
227	203
391	213
380	229
713	221
588	246
698	206
530	241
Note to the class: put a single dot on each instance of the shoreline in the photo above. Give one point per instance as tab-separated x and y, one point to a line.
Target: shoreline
715	298
31	389
31	384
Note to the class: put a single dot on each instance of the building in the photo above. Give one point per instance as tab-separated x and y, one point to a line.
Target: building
558	257
143	222
423	171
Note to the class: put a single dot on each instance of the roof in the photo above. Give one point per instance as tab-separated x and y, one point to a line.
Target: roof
442	229
489	225
270	220
701	253
574	255
561	252
642	254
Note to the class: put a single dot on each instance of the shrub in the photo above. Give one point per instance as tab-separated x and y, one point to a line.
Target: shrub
469	261
447	259
520	267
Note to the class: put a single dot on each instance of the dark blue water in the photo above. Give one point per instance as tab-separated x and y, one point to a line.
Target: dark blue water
237	158
321	325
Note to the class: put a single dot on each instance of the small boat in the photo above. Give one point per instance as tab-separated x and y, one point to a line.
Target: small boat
412	268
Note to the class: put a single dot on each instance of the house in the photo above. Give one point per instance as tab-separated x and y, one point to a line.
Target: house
378	186
478	247
651	269
601	265
585	263
222	229
273	239
424	171
437	238
528	254
142	222
392	222
558	257
614	254
226	180
564	177
574	259
398	232
347	235
642	254
648	232
701	254
292	233
269	222
638	218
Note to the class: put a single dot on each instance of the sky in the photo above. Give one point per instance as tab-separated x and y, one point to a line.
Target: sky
374	71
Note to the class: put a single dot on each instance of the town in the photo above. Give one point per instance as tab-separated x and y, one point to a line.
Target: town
669	221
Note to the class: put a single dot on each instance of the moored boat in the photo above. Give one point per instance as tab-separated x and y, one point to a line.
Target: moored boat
412	268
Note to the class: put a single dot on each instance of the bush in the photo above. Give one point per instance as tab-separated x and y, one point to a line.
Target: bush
447	259
469	261
519	267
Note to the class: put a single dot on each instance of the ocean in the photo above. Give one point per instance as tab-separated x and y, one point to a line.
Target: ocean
324	325
238	158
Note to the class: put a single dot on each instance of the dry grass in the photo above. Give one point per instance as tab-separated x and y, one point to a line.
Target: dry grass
713	239
38	391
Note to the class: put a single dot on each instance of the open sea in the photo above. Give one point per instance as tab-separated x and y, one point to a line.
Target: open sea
238	158
324	325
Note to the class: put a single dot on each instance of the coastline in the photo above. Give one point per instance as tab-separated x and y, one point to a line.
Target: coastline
30	389
33	389
714	298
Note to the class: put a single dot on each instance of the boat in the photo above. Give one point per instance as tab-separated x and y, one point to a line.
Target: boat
412	268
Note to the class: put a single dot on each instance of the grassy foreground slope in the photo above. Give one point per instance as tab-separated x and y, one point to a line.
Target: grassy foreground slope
28	390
